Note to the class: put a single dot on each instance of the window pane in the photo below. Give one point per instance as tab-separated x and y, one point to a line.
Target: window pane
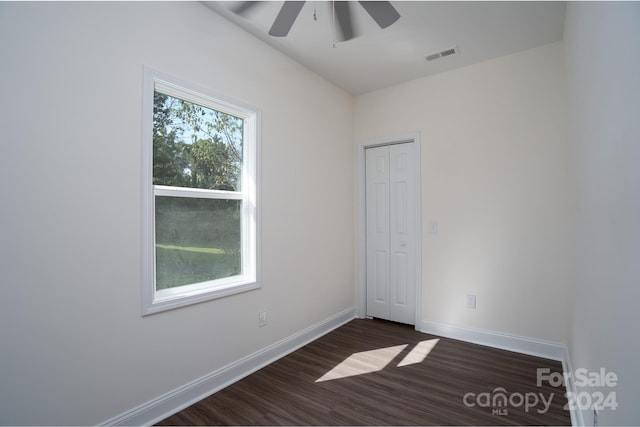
196	240
195	146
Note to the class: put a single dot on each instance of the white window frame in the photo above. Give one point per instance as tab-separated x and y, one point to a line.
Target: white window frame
154	301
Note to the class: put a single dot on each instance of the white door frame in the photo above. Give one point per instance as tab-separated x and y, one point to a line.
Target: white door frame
361	294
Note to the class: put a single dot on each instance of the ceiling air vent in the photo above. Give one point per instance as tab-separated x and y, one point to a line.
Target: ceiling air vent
443	53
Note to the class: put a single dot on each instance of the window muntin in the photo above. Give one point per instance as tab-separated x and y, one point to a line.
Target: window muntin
200	168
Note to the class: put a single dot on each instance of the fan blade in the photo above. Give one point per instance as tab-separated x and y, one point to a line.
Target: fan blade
243	7
343	15
381	11
285	19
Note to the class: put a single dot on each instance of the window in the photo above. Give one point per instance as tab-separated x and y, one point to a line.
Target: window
199	207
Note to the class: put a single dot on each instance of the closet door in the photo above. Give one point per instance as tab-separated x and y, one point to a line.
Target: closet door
378	236
391	204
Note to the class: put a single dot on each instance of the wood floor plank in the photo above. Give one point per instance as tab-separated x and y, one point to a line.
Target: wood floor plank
431	392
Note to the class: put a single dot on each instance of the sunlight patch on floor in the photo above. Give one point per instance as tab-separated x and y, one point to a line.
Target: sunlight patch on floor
419	352
364	362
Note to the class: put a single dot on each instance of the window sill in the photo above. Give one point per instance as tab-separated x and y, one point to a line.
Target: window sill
169	299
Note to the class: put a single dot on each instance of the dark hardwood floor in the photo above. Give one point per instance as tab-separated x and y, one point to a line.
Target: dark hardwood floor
457	383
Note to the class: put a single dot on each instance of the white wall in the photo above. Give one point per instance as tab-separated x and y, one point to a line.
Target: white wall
75	349
494	177
602	44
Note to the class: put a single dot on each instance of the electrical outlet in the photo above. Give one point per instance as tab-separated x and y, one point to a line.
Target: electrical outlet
433	227
471	301
262	318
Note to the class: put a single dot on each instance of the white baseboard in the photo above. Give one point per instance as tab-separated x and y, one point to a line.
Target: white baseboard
186	395
533	347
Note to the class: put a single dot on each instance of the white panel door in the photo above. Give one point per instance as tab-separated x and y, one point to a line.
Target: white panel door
403	238
391	205
378	237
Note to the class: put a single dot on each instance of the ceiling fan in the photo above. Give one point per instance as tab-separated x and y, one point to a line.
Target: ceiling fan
381	11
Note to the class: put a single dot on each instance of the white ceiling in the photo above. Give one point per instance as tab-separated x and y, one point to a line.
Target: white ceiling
378	58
